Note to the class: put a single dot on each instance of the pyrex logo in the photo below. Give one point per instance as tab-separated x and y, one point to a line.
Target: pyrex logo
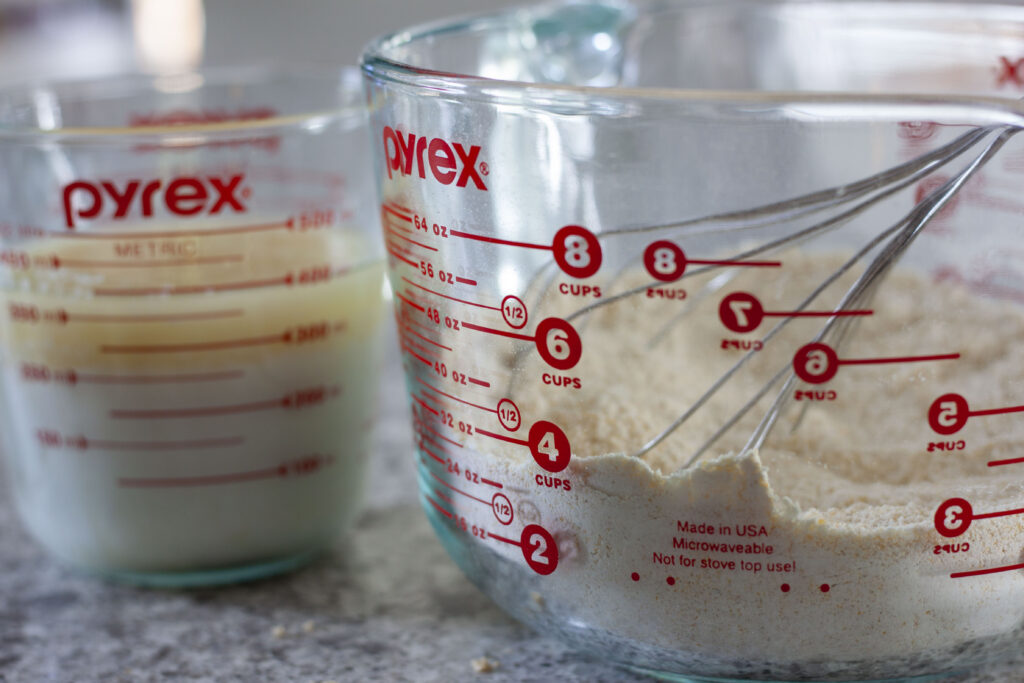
182	196
448	162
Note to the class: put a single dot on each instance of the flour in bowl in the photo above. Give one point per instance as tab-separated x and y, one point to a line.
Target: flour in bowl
819	546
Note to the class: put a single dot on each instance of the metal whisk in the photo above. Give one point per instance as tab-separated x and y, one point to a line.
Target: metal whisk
846	202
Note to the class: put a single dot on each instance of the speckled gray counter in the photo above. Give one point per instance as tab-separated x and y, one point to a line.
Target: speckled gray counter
387	605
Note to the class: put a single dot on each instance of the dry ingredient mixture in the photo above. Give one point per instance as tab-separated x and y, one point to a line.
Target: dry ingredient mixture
819	546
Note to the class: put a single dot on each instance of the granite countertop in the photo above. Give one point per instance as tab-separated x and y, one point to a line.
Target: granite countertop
387	604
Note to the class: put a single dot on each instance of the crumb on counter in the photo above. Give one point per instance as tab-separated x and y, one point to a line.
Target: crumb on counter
278	632
308	626
484	665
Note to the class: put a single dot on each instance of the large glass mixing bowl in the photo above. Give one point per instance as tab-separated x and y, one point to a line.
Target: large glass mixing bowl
710	315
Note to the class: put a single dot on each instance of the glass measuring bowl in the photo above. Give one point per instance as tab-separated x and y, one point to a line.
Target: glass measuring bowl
191	299
710	314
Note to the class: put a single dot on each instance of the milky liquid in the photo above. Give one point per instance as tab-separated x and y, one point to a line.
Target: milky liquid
189	404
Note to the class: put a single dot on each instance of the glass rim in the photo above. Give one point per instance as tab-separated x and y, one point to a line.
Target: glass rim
376	63
345	79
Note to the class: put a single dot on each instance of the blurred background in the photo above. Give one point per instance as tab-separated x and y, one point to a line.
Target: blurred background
46	39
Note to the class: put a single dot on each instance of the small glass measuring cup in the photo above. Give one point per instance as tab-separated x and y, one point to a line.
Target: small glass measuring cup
191	296
712	325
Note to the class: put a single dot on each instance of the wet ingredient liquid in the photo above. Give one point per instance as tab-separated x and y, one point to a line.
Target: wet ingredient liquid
176	405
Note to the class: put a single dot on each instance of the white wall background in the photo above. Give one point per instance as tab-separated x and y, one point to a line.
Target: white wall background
41	39
319	30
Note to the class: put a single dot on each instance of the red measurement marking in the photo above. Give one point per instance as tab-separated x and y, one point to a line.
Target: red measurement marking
220	442
424	404
753	264
500	437
982	572
509	415
953	517
401	250
949	413
208	411
429	353
394	227
410	302
478	382
458	490
268	473
443	497
539	549
438	435
397	211
495	240
996	411
197	346
161	379
500	333
491	483
1001	513
414	297
304	466
455	398
193	289
496	537
424	438
407	348
784	588
204	411
438	507
155	318
398	256
404	333
577	251
450	298
436	401
634	576
1010	461
825	588
398	207
431	453
816	314
666	261
208	232
558	343
199	260
817	363
671	580
410	240
51	261
389	221
549	446
501	506
897	359
412	322
465	281
429	341
742	312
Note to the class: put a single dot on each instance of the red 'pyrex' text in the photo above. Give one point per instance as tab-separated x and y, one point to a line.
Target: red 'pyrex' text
182	196
448	162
